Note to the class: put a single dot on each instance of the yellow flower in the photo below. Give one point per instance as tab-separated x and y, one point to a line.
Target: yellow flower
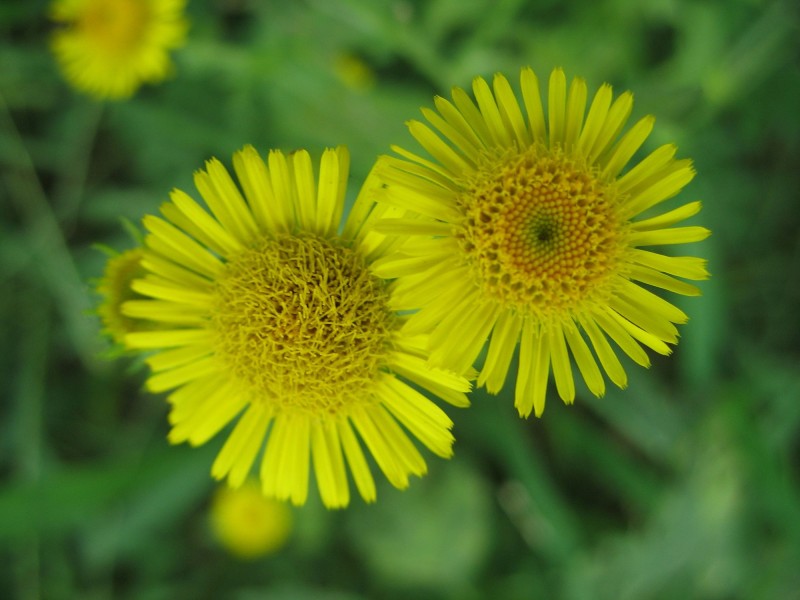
246	523
354	72
275	314
115	288
531	231
108	48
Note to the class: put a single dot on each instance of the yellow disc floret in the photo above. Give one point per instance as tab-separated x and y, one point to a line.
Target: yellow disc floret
540	231
302	323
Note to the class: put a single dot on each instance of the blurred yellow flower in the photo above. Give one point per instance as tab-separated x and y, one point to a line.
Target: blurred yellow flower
276	320
108	48
114	288
539	235
354	72
247	524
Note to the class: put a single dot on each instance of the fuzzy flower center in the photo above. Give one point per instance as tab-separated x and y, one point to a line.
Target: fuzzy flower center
116	26
302	323
540	231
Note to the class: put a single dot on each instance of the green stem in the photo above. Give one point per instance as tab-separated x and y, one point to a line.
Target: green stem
71	188
543	513
50	252
34	312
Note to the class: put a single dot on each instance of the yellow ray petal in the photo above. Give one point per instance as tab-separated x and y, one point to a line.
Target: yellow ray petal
356	461
654	324
457	121
668	218
491	115
643	336
270	214
455	163
333	172
159	265
417	369
170	359
501	349
533	104
240	449
621	337
595	120
660	280
615	120
165	312
274	454
225	201
282	186
161	289
169	241
624	150
673	235
658	189
510	110
326	451
576	106
461	142
585	361
213	234
637	295
562	367
168	338
405	453
303	175
208	418
293	466
384	454
605	353
472	115
421	417
651	166
557	106
688	267
457	340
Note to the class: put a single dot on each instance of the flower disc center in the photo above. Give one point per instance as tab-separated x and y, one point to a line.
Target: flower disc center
541	231
302	323
115	25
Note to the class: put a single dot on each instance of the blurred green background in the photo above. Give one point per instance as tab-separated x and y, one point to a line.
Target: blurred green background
685	485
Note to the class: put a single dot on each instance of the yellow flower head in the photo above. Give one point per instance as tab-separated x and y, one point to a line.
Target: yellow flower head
353	72
246	523
108	48
115	288
275	317
538	235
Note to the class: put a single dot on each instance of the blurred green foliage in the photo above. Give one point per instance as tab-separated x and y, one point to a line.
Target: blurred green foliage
685	485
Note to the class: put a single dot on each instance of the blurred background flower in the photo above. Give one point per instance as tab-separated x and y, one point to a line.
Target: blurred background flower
685	485
108	48
247	524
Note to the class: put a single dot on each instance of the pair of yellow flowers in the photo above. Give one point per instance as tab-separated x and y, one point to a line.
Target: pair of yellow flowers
322	334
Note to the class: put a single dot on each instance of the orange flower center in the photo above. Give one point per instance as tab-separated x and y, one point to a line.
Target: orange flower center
541	231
